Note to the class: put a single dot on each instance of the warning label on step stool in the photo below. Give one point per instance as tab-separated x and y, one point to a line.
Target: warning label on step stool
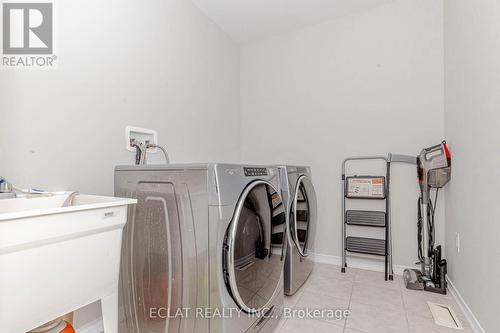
365	187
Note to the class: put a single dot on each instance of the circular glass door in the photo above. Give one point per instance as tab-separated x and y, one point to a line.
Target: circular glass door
254	248
302	214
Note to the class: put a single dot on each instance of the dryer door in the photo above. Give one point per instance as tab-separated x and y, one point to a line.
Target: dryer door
303	215
254	247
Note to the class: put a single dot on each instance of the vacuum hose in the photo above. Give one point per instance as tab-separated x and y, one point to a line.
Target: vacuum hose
431	209
419	230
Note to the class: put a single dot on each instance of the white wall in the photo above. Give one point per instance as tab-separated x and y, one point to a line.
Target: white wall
364	84
472	82
155	64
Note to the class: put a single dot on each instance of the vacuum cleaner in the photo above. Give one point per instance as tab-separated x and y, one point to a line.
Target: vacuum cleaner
434	172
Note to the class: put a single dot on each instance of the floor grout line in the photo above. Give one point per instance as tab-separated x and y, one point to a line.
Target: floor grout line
404	307
356	272
350	299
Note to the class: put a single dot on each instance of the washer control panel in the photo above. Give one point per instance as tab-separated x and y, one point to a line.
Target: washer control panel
252	172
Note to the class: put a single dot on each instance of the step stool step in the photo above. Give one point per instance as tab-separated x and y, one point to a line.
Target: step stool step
365	218
366	245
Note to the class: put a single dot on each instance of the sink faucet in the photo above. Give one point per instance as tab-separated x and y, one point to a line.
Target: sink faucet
6	189
5	186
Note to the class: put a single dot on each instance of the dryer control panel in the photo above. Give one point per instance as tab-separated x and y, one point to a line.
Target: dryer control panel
252	172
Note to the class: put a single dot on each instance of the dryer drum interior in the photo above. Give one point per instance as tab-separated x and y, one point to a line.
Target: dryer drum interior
254	249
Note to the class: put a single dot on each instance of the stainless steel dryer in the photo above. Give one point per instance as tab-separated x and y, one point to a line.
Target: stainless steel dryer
300	198
203	250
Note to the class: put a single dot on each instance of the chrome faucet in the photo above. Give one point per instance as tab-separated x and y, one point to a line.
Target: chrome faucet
5	186
6	189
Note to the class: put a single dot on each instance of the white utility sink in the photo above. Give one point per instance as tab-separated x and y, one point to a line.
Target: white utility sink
54	259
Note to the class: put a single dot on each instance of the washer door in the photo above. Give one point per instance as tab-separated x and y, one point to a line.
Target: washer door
303	215
254	247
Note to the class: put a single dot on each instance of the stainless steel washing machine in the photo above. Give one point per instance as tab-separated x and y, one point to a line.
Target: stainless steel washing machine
204	248
300	197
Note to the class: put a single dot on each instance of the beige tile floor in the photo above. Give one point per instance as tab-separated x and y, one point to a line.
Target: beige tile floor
376	305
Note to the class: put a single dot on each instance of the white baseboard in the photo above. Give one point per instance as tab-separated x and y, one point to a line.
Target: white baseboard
471	318
375	264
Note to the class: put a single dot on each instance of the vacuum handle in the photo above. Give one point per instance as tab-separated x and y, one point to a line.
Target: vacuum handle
435	147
